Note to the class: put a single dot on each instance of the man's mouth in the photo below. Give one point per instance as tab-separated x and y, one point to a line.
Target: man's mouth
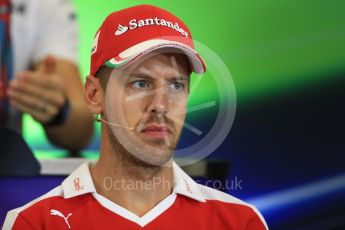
156	131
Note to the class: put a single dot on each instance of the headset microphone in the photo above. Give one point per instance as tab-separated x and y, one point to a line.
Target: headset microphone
98	119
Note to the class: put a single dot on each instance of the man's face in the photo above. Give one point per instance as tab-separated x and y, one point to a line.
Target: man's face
151	97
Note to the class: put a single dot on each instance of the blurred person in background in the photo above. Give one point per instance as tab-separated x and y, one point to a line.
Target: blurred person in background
39	73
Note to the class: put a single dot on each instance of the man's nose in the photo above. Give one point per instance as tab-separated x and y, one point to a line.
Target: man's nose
160	102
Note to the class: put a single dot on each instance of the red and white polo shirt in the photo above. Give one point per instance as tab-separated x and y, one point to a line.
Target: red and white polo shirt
75	204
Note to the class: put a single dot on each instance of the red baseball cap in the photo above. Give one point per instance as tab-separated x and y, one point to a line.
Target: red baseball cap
128	34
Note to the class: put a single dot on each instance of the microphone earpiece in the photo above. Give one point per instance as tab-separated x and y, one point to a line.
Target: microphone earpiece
98	119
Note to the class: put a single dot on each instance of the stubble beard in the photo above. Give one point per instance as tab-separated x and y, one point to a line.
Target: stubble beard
135	153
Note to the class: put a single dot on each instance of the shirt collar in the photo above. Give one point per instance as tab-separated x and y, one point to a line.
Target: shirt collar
185	185
80	182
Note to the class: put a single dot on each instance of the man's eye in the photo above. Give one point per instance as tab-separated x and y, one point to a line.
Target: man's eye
140	84
177	85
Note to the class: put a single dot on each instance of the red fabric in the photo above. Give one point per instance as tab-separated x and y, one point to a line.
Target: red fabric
5	17
4	57
185	213
110	45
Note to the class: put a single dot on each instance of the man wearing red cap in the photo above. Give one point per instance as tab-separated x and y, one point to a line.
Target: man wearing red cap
141	61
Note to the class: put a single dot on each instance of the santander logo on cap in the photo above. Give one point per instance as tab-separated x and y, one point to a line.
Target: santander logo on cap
127	34
134	24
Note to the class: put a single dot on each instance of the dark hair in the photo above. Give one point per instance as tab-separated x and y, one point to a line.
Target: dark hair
103	75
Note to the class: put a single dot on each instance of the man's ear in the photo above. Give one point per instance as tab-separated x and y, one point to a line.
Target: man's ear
94	94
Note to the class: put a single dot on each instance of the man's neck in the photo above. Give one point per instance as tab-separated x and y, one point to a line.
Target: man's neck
136	187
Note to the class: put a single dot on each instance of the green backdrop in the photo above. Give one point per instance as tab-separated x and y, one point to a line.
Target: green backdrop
269	46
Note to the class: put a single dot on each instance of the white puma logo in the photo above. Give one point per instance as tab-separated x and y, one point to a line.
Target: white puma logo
57	213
